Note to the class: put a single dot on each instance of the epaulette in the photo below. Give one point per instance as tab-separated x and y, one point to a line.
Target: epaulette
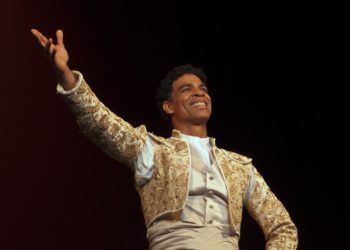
237	157
160	139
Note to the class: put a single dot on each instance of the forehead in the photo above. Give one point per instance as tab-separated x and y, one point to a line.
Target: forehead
187	79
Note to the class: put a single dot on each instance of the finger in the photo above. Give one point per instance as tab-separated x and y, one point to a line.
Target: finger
59	35
50	49
40	37
52	45
37	36
35	32
48	46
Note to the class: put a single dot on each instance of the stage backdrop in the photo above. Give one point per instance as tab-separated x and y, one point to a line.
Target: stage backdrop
274	76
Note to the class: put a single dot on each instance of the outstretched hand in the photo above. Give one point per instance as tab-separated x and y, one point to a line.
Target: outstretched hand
55	53
58	57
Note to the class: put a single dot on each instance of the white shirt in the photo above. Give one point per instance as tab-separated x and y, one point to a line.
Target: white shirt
206	208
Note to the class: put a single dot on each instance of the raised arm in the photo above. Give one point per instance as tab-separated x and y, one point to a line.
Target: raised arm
279	230
109	132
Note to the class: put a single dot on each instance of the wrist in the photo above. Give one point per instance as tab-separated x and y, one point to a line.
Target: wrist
61	70
66	78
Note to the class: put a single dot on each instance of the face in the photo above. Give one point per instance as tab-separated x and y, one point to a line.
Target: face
191	103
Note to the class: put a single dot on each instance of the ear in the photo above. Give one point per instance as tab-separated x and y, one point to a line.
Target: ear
168	107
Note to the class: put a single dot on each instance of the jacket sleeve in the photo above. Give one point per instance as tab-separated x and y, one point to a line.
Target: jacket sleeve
110	133
279	230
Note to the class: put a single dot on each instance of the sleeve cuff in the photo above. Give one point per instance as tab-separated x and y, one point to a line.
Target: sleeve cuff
60	89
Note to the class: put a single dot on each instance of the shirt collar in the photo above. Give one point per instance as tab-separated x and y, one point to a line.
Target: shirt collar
177	134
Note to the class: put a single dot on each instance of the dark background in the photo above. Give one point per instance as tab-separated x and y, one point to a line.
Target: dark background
277	78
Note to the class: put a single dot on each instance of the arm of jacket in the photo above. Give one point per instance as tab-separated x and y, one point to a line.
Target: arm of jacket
279	230
110	133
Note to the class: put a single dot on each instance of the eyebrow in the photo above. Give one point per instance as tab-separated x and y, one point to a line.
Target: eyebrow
190	85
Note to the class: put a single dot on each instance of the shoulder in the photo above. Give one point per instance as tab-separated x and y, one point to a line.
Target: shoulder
173	143
160	140
235	156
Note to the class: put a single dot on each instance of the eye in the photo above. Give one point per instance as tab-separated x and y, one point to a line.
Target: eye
185	89
205	89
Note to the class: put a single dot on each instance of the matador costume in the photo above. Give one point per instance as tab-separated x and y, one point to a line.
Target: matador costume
189	200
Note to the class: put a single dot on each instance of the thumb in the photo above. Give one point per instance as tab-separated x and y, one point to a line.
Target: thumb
59	35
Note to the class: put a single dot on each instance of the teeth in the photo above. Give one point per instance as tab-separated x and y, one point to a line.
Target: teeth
198	104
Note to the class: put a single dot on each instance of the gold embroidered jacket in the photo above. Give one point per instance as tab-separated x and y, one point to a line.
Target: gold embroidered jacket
164	196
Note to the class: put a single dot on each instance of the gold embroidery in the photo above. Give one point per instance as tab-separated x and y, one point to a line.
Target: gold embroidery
164	196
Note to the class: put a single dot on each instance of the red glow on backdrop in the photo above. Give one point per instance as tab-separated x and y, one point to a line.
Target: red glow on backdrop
58	191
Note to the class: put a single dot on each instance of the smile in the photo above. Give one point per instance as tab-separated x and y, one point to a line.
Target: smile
196	104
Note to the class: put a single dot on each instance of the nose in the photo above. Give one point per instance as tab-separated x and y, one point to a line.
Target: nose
199	92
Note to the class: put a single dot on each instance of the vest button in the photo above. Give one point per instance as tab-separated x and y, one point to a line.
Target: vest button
211	177
210	222
211	206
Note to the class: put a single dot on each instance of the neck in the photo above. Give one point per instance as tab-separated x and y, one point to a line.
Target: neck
191	129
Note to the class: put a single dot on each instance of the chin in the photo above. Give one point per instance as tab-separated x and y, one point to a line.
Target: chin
200	120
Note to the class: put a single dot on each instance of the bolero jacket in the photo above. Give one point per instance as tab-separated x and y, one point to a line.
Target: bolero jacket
164	195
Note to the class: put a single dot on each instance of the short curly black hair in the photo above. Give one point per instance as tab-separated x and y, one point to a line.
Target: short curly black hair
165	87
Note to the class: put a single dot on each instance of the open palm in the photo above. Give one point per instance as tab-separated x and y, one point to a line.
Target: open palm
56	54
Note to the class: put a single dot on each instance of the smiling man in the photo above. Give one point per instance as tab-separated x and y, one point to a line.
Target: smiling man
187	101
192	192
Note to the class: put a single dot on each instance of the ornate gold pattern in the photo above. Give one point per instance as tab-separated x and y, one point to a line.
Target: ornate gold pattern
164	196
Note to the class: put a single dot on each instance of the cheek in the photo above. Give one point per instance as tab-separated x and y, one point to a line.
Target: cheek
181	102
179	106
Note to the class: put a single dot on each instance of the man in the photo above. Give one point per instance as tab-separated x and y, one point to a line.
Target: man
192	192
